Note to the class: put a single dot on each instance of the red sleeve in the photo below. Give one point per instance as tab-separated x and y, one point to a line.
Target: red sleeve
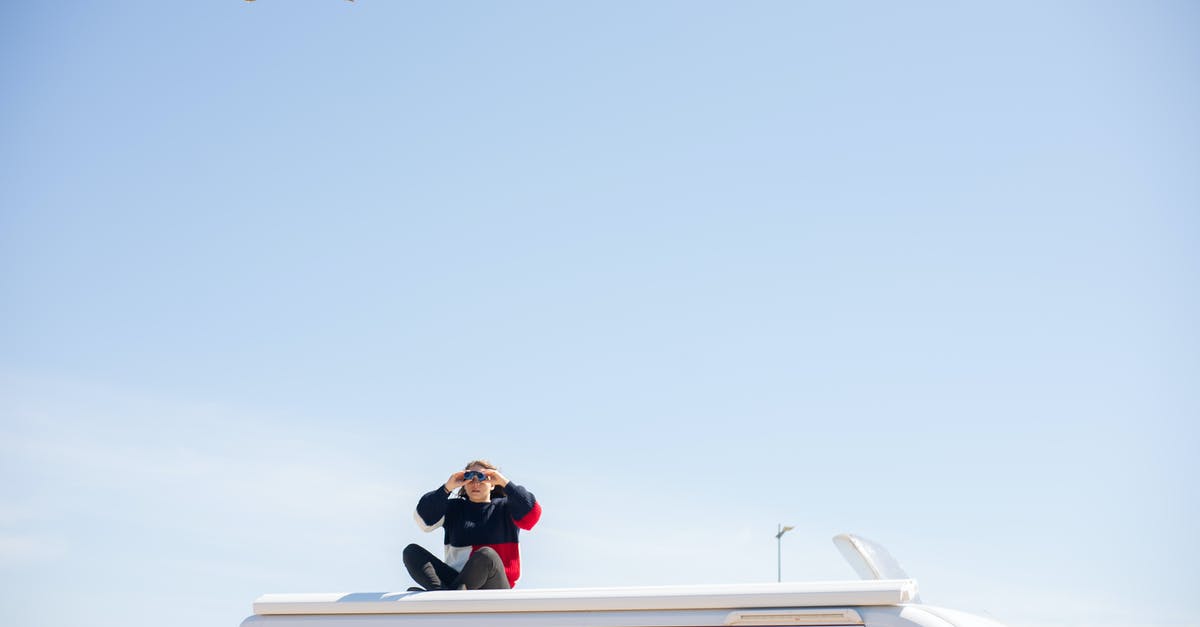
530	519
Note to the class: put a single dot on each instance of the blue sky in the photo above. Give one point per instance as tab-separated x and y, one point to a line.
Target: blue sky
687	270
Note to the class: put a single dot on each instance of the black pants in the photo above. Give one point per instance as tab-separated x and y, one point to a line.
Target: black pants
483	570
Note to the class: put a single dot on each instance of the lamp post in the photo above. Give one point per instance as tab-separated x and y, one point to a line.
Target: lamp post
779	551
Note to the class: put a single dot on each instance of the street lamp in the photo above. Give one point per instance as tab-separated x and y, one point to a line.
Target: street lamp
779	551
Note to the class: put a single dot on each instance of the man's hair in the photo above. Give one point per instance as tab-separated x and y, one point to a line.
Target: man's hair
497	491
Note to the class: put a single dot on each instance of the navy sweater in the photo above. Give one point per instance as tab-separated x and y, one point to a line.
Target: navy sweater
472	526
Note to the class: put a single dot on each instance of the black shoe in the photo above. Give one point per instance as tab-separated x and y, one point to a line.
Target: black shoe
417	589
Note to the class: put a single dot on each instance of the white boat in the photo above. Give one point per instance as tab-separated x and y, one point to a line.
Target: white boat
884	597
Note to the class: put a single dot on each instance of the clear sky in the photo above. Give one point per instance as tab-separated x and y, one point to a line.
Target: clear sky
922	271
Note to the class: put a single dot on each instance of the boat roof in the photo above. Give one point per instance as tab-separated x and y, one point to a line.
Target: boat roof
653	598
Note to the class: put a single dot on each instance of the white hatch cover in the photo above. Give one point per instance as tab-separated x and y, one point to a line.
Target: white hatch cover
736	596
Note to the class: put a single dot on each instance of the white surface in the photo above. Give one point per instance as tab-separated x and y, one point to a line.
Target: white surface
672	618
868	558
746	596
869	616
823	616
960	619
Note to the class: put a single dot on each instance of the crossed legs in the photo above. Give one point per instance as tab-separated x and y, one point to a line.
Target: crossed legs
483	571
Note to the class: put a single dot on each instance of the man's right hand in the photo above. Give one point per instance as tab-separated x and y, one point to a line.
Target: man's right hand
455	481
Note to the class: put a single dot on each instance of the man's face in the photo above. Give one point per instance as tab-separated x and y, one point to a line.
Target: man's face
478	490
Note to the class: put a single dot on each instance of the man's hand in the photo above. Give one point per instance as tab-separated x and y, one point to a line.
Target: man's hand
455	481
497	478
